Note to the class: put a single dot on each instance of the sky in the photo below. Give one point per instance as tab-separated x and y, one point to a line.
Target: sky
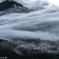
55	2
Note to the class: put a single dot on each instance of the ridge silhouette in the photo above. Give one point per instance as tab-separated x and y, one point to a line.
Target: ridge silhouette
8	4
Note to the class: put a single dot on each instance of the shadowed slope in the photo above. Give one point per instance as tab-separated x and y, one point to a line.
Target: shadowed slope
9	4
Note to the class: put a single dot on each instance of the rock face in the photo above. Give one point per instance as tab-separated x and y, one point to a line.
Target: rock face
12	6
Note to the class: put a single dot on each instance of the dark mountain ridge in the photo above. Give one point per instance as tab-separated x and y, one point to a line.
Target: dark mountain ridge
5	5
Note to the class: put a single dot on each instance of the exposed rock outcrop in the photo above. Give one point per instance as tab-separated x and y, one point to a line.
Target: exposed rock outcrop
12	6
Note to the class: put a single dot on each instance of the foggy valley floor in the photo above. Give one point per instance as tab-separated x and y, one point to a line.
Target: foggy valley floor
6	51
12	55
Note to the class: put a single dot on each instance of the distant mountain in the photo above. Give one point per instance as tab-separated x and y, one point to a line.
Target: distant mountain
11	6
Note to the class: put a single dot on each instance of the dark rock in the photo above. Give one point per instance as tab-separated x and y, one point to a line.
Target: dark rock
12	6
8	4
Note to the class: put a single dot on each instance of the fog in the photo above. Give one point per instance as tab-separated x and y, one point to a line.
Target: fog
41	23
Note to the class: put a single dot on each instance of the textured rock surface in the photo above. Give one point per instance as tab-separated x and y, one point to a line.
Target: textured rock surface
12	7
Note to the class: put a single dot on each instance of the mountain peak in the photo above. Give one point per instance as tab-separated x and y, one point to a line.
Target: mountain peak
6	5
